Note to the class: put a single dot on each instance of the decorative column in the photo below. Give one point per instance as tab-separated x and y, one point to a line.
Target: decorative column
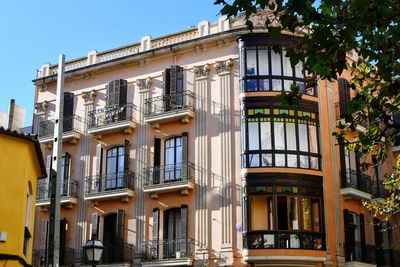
89	98
201	161
223	69
141	159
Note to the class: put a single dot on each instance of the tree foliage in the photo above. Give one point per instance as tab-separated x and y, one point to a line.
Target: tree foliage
336	28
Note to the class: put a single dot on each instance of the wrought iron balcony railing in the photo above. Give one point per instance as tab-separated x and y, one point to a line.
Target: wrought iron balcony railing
378	189
111	115
69	188
118	252
387	257
67	257
168	249
109	182
169	174
283	240
360	181
46	128
172	103
356	251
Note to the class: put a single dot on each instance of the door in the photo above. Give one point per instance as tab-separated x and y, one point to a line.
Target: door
109	237
173	159
115	167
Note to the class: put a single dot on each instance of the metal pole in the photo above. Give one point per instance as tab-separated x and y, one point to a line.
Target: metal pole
55	176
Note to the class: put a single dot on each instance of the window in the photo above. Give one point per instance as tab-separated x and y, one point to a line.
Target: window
269	70
173	88
115	167
116	100
65	173
280	137
354	235
173	159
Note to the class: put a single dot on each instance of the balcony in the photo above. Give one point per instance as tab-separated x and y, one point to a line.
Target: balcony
72	129
68	194
169	178
118	118
177	252
110	186
166	108
387	257
67	257
379	191
355	185
283	240
360	255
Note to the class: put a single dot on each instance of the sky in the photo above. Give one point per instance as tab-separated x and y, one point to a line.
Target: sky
36	32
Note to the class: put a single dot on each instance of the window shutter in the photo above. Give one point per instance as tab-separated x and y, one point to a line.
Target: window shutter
156	220
43	238
184	229
126	155
110	94
346	220
120	226
344	96
95	223
167	89
95	183
49	163
157	160
179	86
63	235
342	163
67	158
362	229
185	165
123	92
68	112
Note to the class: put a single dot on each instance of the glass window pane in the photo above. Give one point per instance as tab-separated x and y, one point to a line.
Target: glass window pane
111	165
291	136
251	62
303	141
251	85
316	216
263	62
169	156
312	130
266	160
299	70
314	163
254	160
286	85
287	67
306	207
304	162
253	136
292	160
276	63
279	160
243	134
265	134
279	135
263	85
293	214
120	163
276	85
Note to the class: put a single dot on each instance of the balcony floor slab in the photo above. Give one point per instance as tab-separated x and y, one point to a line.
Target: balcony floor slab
112	194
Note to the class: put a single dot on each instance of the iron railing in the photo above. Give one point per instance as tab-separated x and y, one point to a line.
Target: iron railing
171	103
378	189
387	257
45	128
168	249
114	253
67	257
110	115
168	174
109	181
352	178
69	188
356	251
283	240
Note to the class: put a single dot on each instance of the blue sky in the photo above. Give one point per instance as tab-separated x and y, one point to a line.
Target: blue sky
35	32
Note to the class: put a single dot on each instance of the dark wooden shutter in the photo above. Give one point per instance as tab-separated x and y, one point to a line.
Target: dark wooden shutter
95	223
110	94
176	86
156	221
344	96
126	155
94	183
185	151
342	163
167	88
346	220
123	92
120	226
63	236
68	112
362	229
184	228
157	160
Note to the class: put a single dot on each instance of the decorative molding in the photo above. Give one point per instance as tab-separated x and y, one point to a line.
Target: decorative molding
223	67
41	107
222	43
200	48
144	62
201	72
144	83
89	96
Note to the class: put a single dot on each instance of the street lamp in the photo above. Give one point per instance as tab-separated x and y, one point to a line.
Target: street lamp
94	250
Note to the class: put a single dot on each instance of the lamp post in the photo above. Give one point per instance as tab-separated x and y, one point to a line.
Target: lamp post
94	250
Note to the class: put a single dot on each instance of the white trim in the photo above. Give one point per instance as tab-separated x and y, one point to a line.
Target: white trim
110	194
168	187
112	127
183	262
170	116
359	264
354	193
284	258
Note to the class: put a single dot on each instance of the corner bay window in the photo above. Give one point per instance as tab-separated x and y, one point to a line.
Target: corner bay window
280	137
284	215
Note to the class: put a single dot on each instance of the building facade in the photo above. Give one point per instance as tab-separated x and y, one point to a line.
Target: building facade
178	152
21	165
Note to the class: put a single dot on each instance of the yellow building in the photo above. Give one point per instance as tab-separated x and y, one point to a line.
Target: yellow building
21	164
